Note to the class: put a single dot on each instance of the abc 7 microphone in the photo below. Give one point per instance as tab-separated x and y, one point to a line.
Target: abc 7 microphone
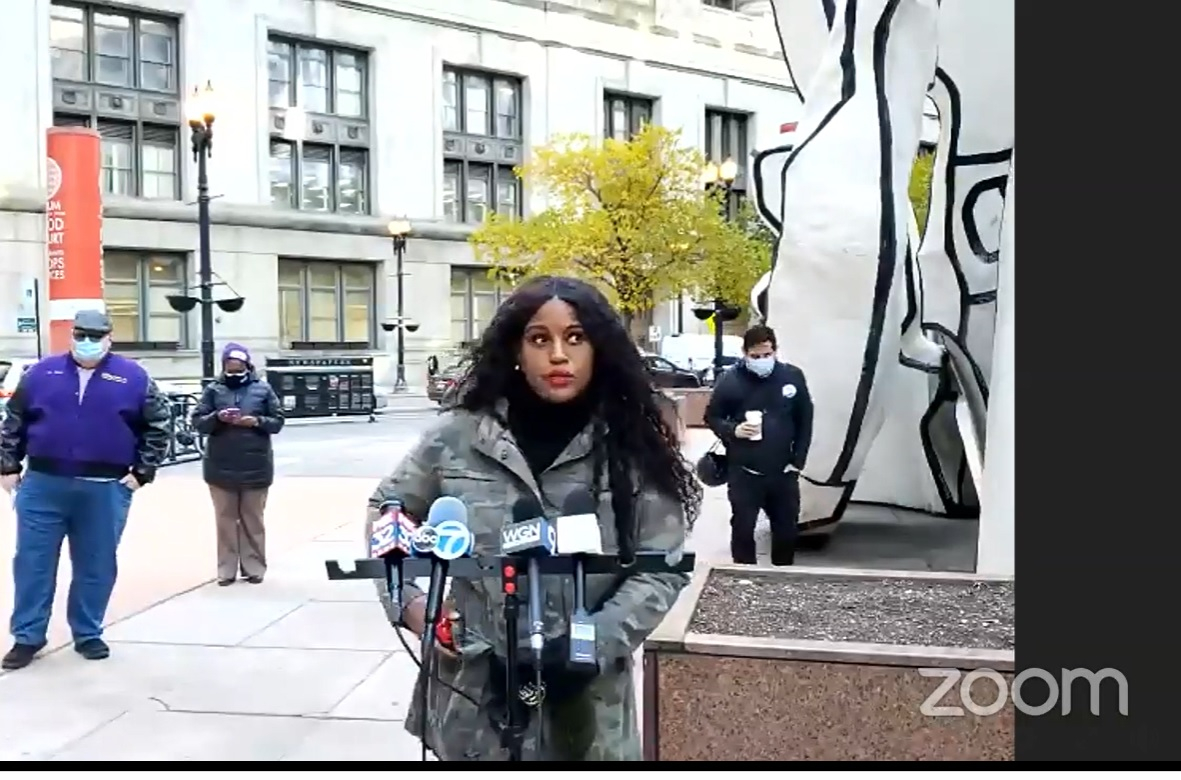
443	538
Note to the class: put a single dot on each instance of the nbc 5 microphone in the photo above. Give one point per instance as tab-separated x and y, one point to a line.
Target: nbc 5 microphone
443	538
579	535
389	538
530	535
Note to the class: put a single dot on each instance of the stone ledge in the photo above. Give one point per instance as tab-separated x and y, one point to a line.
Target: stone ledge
250	215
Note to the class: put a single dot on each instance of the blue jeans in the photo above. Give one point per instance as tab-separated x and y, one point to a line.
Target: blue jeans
92	515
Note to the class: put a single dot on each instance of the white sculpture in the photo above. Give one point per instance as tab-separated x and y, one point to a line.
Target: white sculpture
855	300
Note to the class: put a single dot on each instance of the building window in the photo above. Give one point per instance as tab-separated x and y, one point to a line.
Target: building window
725	5
327	302
624	115
474	299
726	139
325	165
136	286
111	69
478	178
113	48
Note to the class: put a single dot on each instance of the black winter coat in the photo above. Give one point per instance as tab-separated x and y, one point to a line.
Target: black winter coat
237	457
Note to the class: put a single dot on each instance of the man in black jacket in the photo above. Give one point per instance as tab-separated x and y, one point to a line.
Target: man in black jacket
766	455
240	414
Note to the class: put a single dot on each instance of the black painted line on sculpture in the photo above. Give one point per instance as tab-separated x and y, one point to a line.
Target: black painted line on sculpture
968	214
837	512
848	88
943	393
783	50
912	295
976	372
827	483
887	246
830	12
760	201
981	298
983	158
916	365
962	475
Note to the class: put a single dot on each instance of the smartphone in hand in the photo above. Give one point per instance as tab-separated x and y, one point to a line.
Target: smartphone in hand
230	414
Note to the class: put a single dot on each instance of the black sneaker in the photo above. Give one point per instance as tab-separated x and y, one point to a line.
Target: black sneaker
20	656
92	649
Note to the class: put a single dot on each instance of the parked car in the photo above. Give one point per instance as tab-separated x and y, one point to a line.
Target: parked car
443	382
665	374
11	371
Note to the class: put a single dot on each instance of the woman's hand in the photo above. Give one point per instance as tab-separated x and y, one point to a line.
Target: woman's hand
414	616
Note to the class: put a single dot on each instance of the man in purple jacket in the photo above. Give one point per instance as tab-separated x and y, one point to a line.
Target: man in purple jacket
94	428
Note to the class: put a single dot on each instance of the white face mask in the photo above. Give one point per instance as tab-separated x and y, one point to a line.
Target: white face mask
761	366
89	350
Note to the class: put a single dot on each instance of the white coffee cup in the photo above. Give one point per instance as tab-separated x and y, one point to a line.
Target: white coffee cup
755	418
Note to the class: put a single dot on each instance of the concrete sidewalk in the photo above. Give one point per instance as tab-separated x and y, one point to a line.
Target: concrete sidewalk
297	668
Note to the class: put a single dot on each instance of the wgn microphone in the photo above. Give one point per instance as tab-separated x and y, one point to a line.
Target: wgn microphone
530	535
390	538
443	538
578	536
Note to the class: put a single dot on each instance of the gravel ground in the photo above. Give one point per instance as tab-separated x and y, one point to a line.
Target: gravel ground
903	612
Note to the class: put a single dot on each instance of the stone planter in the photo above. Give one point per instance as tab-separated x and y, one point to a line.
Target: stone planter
693	407
764	664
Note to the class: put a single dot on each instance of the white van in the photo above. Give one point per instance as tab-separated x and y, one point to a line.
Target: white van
695	351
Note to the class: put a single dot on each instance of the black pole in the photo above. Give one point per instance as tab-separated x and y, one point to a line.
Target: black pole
719	304
202	140
37	313
400	381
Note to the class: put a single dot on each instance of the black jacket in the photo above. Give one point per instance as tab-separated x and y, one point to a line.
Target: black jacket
239	458
787	417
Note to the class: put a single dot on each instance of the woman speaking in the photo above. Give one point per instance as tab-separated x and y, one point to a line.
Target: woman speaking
555	399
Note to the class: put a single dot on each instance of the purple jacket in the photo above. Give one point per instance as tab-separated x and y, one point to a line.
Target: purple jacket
122	423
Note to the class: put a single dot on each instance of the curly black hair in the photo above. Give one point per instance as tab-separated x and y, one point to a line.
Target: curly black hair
631	434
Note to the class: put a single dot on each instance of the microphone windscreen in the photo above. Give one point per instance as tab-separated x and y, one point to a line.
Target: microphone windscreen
579	502
447	508
526	508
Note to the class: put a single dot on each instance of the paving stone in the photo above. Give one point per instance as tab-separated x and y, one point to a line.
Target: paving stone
245	680
357	740
208	616
330	625
383	696
185	736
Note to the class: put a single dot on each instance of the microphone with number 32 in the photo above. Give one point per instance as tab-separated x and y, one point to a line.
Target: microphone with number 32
389	538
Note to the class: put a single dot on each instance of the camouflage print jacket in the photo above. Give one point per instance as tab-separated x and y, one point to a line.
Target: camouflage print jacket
474	458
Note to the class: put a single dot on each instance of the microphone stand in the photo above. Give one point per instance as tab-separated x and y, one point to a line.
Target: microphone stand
513	733
486	566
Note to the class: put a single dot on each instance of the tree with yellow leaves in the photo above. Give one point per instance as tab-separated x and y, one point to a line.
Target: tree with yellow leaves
632	217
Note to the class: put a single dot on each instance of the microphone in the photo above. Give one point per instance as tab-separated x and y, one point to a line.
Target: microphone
390	538
578	536
530	535
443	538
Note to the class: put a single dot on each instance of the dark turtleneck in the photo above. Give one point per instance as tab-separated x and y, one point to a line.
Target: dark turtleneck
542	429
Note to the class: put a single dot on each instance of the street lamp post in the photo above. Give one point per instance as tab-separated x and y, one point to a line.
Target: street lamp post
200	111
720	176
399	229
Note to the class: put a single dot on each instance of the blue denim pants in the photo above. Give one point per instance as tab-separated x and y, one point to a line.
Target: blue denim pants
92	516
